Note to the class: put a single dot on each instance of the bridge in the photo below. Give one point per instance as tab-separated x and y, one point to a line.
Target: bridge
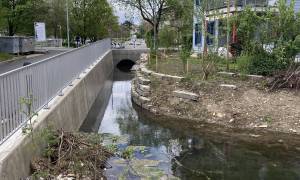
61	89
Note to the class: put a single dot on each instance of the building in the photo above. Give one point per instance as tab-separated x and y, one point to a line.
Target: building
215	16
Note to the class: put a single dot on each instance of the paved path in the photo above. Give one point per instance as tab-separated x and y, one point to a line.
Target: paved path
8	66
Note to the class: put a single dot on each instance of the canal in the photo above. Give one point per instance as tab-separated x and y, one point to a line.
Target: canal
173	150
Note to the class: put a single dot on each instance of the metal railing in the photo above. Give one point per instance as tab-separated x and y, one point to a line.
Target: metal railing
43	81
220	4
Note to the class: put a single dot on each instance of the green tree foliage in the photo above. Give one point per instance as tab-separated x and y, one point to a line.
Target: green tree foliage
19	15
56	18
180	22
153	12
93	19
167	37
185	51
269	38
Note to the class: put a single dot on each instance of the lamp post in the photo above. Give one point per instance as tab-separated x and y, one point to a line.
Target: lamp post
68	27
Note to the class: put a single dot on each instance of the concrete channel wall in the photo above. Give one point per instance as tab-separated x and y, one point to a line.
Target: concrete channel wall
66	112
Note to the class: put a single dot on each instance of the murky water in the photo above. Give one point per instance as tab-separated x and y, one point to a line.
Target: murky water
184	153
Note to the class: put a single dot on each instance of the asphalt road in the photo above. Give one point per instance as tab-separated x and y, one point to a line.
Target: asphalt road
8	66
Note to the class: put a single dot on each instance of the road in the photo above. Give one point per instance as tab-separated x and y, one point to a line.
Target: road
8	66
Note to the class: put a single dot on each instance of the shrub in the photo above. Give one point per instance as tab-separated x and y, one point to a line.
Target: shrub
243	63
264	63
209	65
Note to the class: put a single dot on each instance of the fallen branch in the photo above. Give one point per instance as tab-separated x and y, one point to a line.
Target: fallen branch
77	154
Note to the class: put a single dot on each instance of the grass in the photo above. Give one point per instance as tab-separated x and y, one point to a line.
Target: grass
172	64
5	56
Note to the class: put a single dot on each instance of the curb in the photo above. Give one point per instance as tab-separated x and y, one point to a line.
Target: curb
12	60
19	58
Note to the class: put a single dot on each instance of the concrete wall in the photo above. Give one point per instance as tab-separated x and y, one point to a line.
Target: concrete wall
16	44
67	112
128	54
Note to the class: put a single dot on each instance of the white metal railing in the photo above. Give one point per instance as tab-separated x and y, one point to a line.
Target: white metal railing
43	81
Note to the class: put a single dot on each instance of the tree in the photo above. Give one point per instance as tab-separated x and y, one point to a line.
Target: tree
181	18
13	13
56	18
152	11
92	19
19	15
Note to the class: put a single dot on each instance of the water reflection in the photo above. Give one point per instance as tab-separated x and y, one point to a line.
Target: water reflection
188	155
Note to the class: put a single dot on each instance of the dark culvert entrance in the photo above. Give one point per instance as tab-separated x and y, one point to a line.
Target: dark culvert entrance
125	65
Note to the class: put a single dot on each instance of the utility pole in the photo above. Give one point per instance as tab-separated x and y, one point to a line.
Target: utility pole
68	27
228	35
155	35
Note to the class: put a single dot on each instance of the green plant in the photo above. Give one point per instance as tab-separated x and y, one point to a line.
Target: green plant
208	65
185	51
128	153
5	56
267	119
167	37
269	40
40	175
27	109
243	63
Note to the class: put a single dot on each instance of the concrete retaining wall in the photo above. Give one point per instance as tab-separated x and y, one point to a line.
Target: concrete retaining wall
128	54
66	112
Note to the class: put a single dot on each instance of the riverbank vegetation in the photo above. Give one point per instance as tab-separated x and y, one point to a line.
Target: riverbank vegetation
77	155
71	155
260	43
266	47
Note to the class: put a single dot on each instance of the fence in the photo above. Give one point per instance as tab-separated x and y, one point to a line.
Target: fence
43	81
219	4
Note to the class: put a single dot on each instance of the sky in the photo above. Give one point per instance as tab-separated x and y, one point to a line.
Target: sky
125	13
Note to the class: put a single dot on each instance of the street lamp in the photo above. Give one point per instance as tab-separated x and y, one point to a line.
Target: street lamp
68	27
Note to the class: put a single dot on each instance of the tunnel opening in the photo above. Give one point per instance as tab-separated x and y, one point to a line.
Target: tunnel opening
125	65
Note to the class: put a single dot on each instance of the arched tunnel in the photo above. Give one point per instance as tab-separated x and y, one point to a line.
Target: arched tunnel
125	65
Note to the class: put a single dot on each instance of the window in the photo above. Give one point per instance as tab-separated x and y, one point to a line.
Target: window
198	34
211	32
197	2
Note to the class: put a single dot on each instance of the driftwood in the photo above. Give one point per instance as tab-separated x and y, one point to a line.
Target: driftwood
68	154
288	79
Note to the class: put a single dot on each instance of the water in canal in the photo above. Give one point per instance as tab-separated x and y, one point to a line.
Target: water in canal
172	151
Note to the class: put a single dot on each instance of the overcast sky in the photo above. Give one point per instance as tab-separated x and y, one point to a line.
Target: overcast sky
126	14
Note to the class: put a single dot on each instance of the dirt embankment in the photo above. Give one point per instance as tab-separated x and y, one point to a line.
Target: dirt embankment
247	106
238	103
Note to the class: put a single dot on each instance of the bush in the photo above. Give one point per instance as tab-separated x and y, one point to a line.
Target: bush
209	65
167	37
261	64
264	63
243	63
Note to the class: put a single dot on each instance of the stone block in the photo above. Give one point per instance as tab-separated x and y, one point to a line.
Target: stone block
186	95
255	77
144	100
167	77
142	93
228	86
227	73
144	88
143	81
146	71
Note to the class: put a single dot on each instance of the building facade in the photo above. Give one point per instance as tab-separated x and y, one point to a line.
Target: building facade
215	17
